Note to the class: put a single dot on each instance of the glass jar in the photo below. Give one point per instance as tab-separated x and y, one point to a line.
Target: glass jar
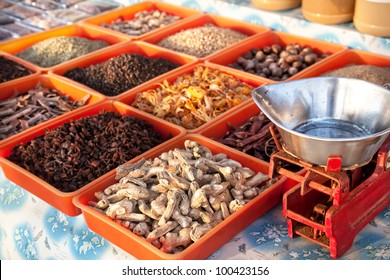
276	5
373	17
328	11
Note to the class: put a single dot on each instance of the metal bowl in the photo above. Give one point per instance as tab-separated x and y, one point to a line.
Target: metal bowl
324	116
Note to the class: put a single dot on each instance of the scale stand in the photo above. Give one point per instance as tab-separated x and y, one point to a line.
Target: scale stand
329	206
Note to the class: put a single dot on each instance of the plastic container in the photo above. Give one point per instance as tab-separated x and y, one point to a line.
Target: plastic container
136	47
171	77
349	57
17	45
34	71
247	28
328	11
63	200
276	5
128	13
206	245
229	56
372	17
72	90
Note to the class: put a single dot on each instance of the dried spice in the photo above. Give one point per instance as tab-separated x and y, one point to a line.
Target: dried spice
175	199
77	152
202	41
10	70
33	107
194	99
59	49
370	73
277	62
120	73
142	23
252	137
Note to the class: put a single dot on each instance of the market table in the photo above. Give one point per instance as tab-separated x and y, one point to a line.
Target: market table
32	229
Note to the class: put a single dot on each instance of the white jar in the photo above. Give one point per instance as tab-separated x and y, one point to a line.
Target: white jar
276	5
373	17
328	11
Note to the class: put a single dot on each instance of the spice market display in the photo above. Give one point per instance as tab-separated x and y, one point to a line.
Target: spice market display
171	130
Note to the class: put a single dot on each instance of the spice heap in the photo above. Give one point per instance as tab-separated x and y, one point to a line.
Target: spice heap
10	70
34	107
120	73
176	198
77	152
194	99
276	62
142	23
56	50
252	137
202	41
370	73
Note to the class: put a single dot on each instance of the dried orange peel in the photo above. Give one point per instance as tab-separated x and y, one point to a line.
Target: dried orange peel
194	99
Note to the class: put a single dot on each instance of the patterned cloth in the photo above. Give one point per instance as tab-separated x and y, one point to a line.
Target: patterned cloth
31	229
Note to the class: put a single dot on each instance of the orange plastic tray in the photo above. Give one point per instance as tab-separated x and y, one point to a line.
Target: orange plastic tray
171	77
206	245
17	45
128	13
62	200
247	28
44	80
136	47
346	58
231	55
29	66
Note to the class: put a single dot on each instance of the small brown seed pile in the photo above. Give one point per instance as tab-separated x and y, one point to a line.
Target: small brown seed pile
120	73
10	70
370	73
77	152
277	62
202	41
142	23
59	49
33	107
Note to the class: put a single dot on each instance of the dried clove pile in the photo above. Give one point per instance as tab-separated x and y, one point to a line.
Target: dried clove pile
10	70
77	152
252	137
33	107
120	73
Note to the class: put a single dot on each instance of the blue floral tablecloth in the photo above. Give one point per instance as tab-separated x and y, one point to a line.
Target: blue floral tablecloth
32	229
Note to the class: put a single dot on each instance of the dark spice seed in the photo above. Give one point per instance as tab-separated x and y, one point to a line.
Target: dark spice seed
10	70
120	73
76	153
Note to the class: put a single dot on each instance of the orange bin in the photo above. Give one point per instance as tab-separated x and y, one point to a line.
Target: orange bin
171	77
347	58
63	200
128	13
17	45
72	90
29	66
247	28
207	244
136	47
231	55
